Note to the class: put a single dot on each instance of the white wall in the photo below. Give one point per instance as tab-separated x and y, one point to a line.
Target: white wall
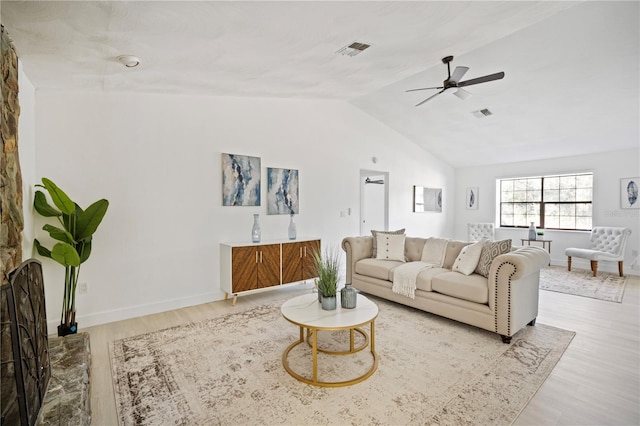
156	158
608	169
26	152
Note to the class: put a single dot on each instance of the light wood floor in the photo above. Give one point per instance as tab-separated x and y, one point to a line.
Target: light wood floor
597	381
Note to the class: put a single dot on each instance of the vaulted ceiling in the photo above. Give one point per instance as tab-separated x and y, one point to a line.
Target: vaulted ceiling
572	68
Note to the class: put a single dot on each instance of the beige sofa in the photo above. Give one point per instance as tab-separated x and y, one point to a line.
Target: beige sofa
504	302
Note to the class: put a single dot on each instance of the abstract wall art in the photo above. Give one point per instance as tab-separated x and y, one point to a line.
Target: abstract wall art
629	193
427	199
240	180
282	191
472	198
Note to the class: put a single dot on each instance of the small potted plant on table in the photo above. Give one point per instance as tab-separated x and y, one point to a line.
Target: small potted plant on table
328	272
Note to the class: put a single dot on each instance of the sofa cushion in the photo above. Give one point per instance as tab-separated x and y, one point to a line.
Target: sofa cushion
453	250
425	278
390	247
491	250
375	268
375	238
467	260
473	288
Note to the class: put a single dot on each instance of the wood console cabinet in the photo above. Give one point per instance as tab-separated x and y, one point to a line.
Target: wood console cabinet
247	267
255	267
297	260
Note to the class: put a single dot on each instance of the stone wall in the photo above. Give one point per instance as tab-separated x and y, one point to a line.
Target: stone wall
11	221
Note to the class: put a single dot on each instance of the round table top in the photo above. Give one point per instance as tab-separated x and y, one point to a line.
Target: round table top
306	311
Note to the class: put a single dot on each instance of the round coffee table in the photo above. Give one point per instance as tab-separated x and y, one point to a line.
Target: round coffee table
305	312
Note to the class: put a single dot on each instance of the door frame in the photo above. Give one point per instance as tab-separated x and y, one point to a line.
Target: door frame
364	173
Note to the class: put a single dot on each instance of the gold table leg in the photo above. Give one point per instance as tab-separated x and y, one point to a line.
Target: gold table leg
369	341
314	338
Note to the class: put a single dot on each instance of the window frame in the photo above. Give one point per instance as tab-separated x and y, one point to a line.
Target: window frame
541	203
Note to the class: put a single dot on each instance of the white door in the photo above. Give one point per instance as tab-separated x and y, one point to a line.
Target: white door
374	201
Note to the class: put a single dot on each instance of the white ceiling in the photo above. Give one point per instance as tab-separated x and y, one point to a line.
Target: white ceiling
572	68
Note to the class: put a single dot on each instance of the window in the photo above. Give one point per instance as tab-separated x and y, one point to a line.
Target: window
551	202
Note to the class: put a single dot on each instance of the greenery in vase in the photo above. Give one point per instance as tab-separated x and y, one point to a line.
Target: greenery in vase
327	270
74	234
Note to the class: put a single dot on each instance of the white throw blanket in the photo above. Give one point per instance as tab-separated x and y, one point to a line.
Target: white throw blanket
405	276
434	251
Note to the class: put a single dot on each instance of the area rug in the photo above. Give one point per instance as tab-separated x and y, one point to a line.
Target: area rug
228	371
580	282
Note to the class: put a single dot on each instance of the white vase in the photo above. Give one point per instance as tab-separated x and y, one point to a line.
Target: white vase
532	231
292	229
255	231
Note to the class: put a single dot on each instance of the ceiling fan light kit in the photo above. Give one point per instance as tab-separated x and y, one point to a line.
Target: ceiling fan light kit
453	81
462	94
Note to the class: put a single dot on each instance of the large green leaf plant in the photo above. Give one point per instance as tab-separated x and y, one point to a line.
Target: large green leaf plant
74	232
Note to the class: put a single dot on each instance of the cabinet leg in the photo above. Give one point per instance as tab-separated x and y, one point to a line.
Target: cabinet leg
233	301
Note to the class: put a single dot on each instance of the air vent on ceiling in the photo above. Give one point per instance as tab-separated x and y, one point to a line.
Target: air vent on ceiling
353	49
482	113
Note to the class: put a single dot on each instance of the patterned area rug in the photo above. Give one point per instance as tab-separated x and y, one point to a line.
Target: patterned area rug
580	282
228	371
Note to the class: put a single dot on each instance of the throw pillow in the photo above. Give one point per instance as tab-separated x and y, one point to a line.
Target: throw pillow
390	247
468	258
375	239
490	251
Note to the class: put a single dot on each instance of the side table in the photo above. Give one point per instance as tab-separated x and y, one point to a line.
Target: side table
546	244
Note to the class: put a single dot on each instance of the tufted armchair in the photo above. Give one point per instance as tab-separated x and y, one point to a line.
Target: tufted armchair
478	231
606	243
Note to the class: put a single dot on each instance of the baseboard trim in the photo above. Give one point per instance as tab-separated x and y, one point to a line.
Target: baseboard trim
104	317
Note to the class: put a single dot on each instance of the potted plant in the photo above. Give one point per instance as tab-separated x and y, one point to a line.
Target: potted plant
327	269
74	234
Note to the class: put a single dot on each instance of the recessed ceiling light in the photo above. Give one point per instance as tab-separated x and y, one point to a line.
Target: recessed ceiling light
129	61
353	49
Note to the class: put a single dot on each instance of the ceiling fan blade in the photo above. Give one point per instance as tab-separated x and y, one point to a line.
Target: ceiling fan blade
430	97
490	77
458	73
424	88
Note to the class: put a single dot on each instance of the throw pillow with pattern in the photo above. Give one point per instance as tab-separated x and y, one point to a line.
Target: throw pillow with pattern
490	251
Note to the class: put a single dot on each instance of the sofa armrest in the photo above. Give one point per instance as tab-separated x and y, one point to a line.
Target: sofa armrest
525	260
514	280
356	248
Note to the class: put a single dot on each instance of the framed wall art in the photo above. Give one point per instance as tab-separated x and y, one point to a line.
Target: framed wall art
629	193
240	180
427	199
282	191
471	201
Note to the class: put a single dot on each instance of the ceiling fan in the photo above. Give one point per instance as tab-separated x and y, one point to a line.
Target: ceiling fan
453	81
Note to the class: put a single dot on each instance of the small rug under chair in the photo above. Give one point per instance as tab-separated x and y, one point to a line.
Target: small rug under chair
228	371
581	282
